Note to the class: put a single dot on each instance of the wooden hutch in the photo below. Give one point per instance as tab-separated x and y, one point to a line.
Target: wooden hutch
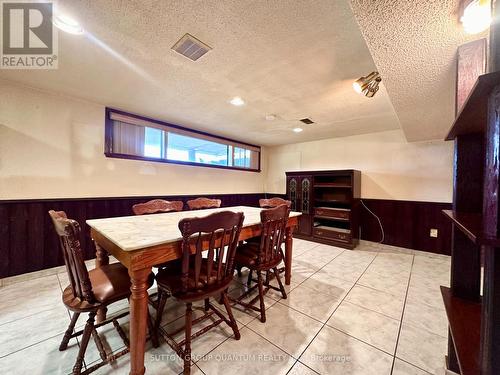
329	202
474	316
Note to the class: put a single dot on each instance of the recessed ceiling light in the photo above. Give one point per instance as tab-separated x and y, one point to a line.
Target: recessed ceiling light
297	130
237	101
67	24
477	16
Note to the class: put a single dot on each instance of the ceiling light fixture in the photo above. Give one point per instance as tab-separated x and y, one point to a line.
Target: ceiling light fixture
270	117
67	24
477	16
368	85
237	101
297	130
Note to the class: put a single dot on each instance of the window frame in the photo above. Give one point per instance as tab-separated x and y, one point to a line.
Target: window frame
108	142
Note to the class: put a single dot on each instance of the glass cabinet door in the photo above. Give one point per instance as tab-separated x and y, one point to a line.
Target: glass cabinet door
306	193
292	186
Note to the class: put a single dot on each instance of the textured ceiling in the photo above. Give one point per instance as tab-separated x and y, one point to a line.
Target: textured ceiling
291	58
414	44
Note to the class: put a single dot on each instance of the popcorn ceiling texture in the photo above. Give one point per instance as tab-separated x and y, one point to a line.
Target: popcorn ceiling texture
291	58
414	45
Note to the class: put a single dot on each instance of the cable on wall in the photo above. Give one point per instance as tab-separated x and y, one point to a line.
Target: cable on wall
378	219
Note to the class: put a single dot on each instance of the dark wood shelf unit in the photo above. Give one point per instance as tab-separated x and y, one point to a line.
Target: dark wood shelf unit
471	224
341	201
474	318
464	318
472	118
329	202
335	185
330	218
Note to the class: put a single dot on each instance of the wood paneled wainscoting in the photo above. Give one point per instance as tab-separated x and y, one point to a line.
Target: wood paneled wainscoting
407	224
28	242
27	239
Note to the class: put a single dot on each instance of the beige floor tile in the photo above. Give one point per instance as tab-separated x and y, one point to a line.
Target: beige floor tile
327	251
41	359
385	283
301	272
301	369
323	282
429	296
366	325
403	368
344	272
429	282
21	333
27	298
426	317
381	302
316	305
300	247
322	276
251	355
423	349
287	328
311	262
333	352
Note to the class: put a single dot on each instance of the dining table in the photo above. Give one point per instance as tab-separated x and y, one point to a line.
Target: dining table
142	242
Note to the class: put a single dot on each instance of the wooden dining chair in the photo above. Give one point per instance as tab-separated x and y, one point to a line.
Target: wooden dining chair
202	203
157	206
267	203
264	256
90	291
274	202
200	278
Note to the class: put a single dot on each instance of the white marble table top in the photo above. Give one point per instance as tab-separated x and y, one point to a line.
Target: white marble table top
138	232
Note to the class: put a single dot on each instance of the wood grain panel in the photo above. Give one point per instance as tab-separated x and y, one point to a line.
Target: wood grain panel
28	242
407	224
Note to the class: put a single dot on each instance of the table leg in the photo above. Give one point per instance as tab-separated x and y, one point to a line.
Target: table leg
138	319
102	259
288	255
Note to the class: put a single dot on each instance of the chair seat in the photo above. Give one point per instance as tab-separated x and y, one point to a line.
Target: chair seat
110	283
170	278
247	254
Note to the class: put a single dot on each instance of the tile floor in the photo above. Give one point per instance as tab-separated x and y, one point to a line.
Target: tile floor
375	310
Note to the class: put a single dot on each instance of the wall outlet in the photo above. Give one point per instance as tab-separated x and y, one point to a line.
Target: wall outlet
433	233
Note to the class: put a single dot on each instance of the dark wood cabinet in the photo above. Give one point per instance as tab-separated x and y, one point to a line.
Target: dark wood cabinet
329	202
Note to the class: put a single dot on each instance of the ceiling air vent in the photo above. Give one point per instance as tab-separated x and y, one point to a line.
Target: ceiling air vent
191	47
307	121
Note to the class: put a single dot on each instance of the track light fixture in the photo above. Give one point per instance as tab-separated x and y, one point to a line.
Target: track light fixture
368	85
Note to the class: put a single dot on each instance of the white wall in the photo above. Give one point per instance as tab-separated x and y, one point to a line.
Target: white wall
52	146
391	168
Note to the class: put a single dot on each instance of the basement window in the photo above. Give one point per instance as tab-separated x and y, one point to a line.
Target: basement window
130	136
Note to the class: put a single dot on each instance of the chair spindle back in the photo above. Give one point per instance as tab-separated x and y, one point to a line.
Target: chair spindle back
217	234
68	231
273	222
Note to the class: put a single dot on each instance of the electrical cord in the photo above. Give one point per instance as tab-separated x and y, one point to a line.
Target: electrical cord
378	219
